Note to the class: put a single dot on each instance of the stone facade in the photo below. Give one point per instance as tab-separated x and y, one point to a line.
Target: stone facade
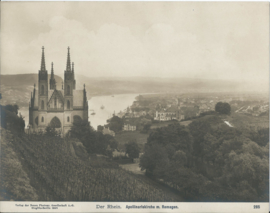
54	107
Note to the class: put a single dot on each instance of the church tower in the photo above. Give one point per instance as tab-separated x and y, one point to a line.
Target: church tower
52	80
69	84
42	84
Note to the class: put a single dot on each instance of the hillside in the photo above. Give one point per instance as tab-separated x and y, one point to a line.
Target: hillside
54	170
16	89
15	182
121	85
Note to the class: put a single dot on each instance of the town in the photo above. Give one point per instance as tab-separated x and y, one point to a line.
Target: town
155	110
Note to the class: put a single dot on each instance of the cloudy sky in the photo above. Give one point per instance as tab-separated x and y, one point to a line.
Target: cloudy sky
162	39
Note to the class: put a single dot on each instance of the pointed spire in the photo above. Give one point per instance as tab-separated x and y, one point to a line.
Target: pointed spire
34	86
43	66
62	85
52	68
84	86
68	69
52	80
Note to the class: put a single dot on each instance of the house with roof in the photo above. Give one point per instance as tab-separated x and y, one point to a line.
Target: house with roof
167	114
130	125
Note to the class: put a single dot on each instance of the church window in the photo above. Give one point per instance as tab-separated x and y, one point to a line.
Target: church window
55	102
42	119
55	123
68	90
68	119
42	104
68	104
42	90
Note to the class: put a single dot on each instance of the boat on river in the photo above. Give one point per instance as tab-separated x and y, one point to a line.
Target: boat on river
102	107
93	113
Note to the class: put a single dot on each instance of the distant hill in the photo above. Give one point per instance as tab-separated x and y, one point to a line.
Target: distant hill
17	88
25	79
118	85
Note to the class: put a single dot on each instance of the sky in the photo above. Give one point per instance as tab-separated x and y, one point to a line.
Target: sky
212	40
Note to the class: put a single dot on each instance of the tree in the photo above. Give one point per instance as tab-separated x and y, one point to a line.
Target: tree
223	108
132	149
116	124
80	129
12	108
10	119
153	156
50	131
100	128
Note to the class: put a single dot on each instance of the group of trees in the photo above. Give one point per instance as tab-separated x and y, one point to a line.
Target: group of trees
116	124
208	160
94	141
223	108
132	149
11	120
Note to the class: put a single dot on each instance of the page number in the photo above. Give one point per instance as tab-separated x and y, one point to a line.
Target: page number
256	206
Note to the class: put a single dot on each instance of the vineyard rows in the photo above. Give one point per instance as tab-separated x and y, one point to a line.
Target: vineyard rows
58	175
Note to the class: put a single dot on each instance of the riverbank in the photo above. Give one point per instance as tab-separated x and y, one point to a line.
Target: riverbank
112	104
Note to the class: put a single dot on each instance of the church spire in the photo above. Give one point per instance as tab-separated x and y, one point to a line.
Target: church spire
52	74
43	66
52	80
68	69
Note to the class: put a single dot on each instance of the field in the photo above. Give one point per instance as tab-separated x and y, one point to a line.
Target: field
134	167
166	123
125	137
161	124
248	121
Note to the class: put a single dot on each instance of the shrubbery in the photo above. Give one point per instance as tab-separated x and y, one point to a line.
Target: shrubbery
94	141
209	161
10	119
223	108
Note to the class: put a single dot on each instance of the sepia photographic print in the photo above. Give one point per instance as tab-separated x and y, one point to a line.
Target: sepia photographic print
134	106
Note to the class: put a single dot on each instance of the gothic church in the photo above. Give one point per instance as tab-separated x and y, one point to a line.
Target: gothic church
58	108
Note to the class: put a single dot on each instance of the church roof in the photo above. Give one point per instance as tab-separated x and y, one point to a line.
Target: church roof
78	98
58	93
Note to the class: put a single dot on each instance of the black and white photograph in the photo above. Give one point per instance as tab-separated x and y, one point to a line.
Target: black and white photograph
115	104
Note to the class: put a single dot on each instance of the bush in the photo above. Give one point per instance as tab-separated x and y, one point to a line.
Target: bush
10	119
132	149
223	108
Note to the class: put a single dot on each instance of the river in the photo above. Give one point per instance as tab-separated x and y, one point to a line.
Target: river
111	104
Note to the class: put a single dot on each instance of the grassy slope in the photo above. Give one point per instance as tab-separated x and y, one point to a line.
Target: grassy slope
243	121
16	89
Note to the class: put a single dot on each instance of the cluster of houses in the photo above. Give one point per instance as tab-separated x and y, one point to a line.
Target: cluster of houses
175	108
183	110
254	110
